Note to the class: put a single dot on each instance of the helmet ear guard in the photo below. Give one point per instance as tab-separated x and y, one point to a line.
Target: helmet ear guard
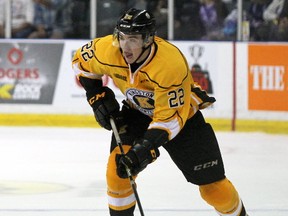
148	40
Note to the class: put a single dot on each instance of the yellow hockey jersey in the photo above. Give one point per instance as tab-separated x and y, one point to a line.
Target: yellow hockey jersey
162	87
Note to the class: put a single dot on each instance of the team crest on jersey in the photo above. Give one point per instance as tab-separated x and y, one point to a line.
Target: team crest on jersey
142	100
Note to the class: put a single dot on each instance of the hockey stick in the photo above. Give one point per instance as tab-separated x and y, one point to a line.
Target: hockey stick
132	182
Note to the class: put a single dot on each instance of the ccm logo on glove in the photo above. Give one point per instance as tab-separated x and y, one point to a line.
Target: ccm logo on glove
96	97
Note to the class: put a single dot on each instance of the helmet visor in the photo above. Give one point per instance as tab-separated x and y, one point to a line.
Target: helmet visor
132	41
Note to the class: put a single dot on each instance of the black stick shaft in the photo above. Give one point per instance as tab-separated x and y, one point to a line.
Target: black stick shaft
132	182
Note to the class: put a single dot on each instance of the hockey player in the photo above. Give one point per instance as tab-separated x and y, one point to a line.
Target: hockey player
162	109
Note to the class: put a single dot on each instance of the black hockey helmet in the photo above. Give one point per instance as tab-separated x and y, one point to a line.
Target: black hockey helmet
135	21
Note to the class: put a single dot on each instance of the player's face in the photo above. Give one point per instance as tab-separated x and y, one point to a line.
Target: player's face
131	46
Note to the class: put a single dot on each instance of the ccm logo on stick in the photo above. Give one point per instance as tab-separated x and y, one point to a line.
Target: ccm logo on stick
205	165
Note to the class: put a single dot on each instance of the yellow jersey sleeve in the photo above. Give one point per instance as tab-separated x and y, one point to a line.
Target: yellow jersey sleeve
83	60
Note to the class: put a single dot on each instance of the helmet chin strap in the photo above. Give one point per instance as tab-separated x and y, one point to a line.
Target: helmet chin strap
143	50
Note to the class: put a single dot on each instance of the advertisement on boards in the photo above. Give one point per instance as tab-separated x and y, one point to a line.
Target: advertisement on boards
200	67
211	66
268	77
28	72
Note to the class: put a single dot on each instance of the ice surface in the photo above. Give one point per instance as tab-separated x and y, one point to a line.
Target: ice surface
47	171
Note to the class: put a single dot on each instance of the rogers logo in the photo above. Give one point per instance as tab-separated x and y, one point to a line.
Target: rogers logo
15	56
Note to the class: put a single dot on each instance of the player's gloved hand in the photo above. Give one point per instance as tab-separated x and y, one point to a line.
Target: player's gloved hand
137	158
104	105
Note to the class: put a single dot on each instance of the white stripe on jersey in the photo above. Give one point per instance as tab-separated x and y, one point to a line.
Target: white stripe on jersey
195	99
78	72
173	126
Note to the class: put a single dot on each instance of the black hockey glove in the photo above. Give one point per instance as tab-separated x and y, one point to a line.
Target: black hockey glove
104	104
137	158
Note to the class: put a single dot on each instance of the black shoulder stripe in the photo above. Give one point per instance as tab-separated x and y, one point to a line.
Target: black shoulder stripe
75	60
110	65
81	67
164	87
156	48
